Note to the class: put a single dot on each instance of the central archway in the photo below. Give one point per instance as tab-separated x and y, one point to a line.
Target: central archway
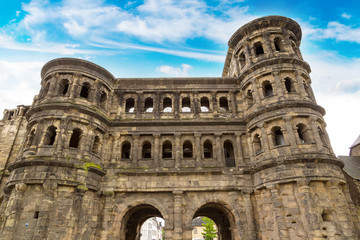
134	219
221	216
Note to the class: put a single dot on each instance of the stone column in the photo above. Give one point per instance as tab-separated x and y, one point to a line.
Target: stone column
251	233
256	92
300	85
250	145
196	105
264	137
177	214
58	141
139	106
177	150
198	150
219	150
238	149
74	86
315	133
176	104
248	52
156	149
291	134
53	85
278	85
135	151
215	103
304	200
268	50
157	101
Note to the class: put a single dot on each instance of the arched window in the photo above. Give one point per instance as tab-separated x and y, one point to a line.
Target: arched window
50	135
322	136
278	44
229	154
96	145
278	137
267	89
167	105
187	149
249	97
204	104
103	98
31	138
289	85
242	60
85	89
75	138
167	150
224	106
259	50
63	87
125	150
257	144
185	105
130	105
149	105
208	149
303	133
146	150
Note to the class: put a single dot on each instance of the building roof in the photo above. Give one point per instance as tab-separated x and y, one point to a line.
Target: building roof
352	166
357	142
197	222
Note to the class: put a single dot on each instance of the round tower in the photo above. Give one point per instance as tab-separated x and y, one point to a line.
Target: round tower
290	152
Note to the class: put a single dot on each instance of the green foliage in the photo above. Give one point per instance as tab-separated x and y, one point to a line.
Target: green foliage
209	232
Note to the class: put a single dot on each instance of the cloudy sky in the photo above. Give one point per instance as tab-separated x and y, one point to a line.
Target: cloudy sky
188	38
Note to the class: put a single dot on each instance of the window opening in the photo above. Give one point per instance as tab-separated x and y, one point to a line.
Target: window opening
11	114
303	133
167	149
278	44
278	136
50	136
208	149
205	105
84	93
258	48
229	154
146	150
75	138
289	85
187	150
224	106
103	98
36	214
125	150
167	105
96	145
64	87
249	97
186	106
242	60
257	143
130	105
149	105
267	88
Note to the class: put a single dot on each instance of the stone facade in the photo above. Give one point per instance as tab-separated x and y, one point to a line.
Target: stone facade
94	156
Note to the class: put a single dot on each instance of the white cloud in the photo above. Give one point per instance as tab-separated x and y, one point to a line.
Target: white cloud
175	72
345	15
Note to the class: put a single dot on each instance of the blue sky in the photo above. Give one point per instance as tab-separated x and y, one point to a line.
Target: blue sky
169	38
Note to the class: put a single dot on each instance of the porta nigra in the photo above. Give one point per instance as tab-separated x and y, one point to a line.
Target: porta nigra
95	156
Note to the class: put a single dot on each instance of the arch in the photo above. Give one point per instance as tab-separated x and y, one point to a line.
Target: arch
167	149
224	105
63	87
229	154
103	98
258	48
278	44
146	150
304	133
289	85
185	104
125	150
130	105
208	149
75	138
149	105
85	90
277	136
204	104
187	149
267	89
257	144
50	135
167	104
222	216
96	145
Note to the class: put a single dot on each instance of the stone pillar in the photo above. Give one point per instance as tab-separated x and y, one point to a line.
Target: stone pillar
157	101
215	103
219	150
198	150
135	151
248	52
310	222
250	145
278	85
107	211
53	85
232	96
251	233
278	211
156	149
315	133
176	104
256	92
59	141
264	137
291	135
178	215
74	86
300	85
177	150
268	51
196	105
139	106
238	150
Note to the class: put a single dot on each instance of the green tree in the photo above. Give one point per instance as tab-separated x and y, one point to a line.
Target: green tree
209	232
